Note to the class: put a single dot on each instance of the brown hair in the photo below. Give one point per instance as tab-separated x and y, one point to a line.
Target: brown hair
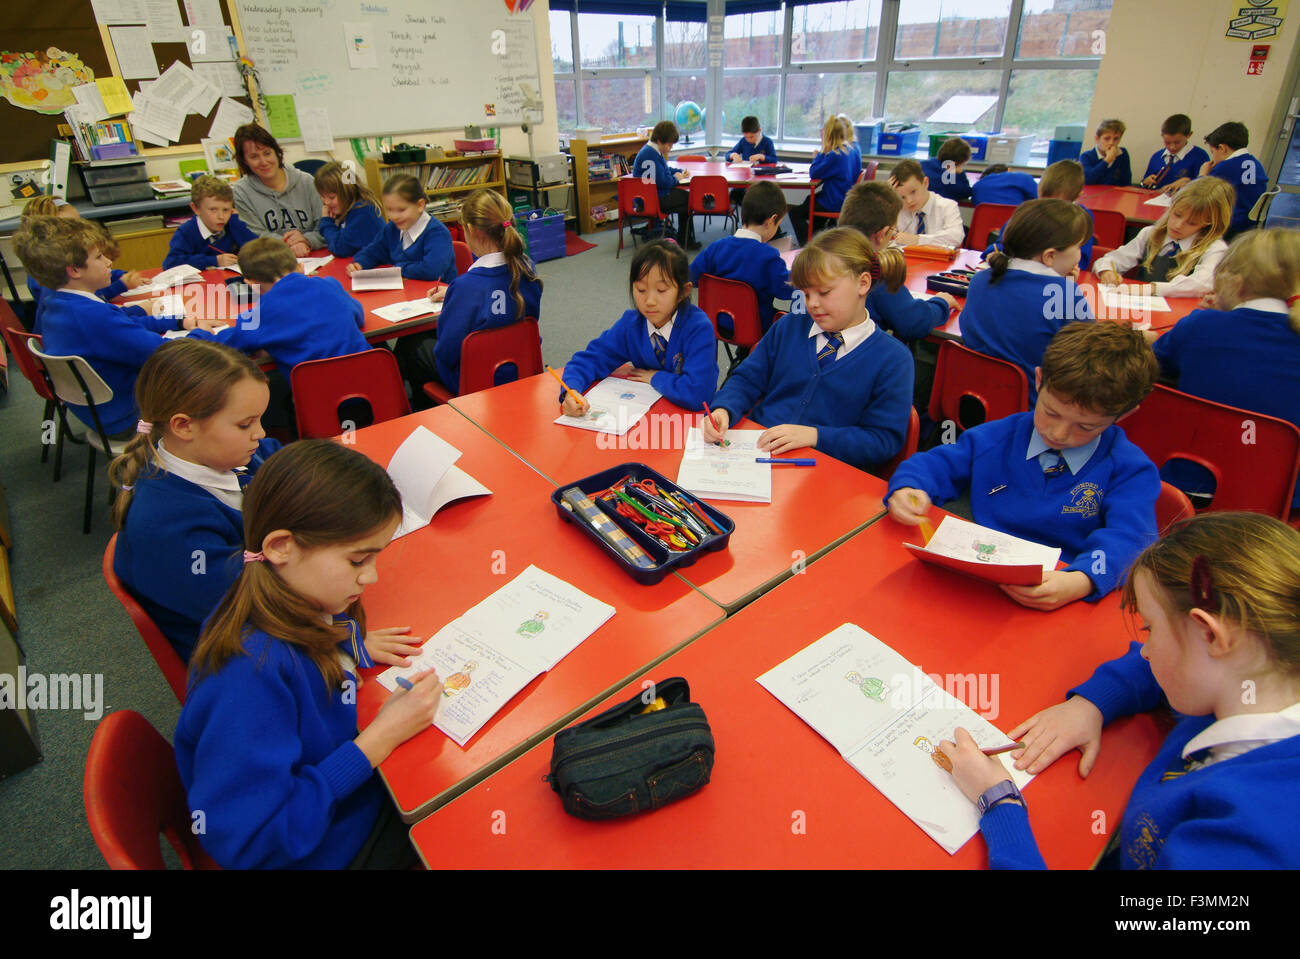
187	376
846	252
1063	180
905	170
1253	567
266	259
1208	198
43	205
210	186
870	207
342	182
1104	367
488	212
252	133
49	245
665	131
1267	264
955	149
1111	126
324	494
407	187
1176	125
1036	226
762	201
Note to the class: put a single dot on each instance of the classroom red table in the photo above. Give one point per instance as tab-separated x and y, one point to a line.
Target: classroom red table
780	795
743	176
473	548
1128	200
811	510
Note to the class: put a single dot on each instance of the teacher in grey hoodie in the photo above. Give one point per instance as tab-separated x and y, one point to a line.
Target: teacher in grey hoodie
273	198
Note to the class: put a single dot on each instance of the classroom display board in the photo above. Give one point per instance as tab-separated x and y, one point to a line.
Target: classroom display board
396	66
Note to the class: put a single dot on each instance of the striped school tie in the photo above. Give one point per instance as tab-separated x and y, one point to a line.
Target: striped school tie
1057	466
826	356
243	477
661	348
920	223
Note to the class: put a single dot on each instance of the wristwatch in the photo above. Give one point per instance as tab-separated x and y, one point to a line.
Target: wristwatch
995	794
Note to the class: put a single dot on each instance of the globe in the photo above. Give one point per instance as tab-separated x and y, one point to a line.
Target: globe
688	116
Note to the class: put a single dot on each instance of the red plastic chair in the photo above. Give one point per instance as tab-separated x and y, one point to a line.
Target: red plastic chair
709	196
987	218
17	339
320	386
1172	507
692	158
464	258
164	654
1254	458
910	444
1108	227
1098	252
486	351
868	173
133	794
737	300
998	386
637	200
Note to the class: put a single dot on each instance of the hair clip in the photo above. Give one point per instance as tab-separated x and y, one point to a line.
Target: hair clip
142	427
1203	594
127	489
251	557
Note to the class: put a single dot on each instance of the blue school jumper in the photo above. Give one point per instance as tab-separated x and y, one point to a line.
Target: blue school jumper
114	289
478	300
430	257
1011	188
650	160
299	318
1095	170
188	247
1085	248
1248	179
752	262
838	170
1245	358
1016	317
689	376
114	340
180	550
764	146
1100	517
267	751
859	404
1232	814
1189	166
959	189
360	227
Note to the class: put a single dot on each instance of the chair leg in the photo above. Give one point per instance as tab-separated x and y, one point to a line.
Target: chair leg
58	448
90	489
45	447
620	236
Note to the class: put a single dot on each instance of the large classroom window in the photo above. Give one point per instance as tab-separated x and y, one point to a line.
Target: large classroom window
620	64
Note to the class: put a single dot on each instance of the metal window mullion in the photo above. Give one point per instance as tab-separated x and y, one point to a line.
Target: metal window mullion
1010	43
889	10
783	66
578	105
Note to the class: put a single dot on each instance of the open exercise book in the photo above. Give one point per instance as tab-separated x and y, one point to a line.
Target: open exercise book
726	472
166	280
424	473
887	718
309	264
380	278
614	406
986	553
408	310
1125	298
498	647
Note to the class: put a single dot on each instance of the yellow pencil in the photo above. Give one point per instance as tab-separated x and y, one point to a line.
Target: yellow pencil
927	531
576	397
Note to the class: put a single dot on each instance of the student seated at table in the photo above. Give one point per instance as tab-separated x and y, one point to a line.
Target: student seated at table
668	339
1217	596
1177	255
753	147
1014	308
70	258
838	164
826	379
350	214
1108	163
999	184
746	256
651	165
1064	474
267	744
180	482
927	218
1179	160
947	170
412	240
1230	162
1063	180
1245	351
213	236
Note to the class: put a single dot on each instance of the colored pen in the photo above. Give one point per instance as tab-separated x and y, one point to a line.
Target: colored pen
217	249
708	414
404	682
784	461
1002	749
927	531
576	398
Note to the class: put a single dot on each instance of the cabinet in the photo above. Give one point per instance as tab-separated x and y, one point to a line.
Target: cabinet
447	180
602	191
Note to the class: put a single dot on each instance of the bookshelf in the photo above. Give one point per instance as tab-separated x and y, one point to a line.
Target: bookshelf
446	179
600	192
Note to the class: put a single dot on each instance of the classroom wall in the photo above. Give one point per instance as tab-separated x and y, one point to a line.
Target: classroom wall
1170	56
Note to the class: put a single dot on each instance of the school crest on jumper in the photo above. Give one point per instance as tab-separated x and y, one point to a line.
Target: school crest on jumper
1144	842
1085	499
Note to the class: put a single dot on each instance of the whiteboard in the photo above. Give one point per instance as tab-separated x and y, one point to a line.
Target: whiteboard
396	66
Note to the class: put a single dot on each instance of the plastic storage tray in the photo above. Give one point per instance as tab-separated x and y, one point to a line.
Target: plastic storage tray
1063	150
665	561
543	233
113	172
979	144
1012	150
120	193
937	140
898	144
956	282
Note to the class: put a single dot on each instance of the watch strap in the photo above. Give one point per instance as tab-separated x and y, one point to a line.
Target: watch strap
996	793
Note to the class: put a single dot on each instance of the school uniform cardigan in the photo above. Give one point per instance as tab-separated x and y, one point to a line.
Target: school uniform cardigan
746	149
690	375
837	170
1100	517
1095	170
1189	165
299	318
650	160
114	289
430	257
1230	814
1249	358
859	404
180	549
189	246
1248	179
1016	317
958	189
114	340
750	261
478	300
1009	187
359	228
267	752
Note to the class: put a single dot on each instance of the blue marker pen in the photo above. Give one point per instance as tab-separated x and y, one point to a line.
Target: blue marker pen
404	682
779	461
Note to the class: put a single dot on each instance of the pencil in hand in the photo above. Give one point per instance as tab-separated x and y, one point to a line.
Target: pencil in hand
927	531
576	397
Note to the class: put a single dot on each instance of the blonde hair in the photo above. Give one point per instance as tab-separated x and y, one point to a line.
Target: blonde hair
42	205
1267	263
1208	198
488	212
210	186
1063	180
332	179
844	251
837	134
266	259
1111	126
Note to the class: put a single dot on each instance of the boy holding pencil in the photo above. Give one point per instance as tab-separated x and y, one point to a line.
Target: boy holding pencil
215	234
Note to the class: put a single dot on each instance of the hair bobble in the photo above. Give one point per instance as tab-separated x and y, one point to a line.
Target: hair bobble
506	223
1203	594
127	489
143	427
1292	300
251	557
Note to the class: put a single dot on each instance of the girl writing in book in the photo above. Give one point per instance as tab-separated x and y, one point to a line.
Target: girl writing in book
267	744
1219	600
412	239
350	215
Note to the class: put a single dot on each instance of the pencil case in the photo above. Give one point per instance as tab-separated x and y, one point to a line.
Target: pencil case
642	754
956	282
662	560
769	169
925	251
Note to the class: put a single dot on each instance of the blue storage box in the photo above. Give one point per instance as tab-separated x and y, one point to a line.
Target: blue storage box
979	143
546	250
1063	150
868	133
543	234
899	144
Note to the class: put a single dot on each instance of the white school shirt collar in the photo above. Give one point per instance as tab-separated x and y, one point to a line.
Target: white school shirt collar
1234	735
413	234
203	228
853	336
1076	457
487	260
86	293
744	234
930	213
666	331
223	485
1265	303
1234	154
1172	157
1031	266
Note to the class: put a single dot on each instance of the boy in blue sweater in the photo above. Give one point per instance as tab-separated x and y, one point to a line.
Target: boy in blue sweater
1179	160
946	170
651	165
998	184
215	234
1230	162
1064	475
827	379
752	144
1108	164
412	240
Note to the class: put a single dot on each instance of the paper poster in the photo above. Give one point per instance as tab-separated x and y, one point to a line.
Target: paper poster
360	40
205	99
317	137
224	75
90	104
164	18
115	96
158	115
231	115
212	44
1253	20
177	86
134	51
203	13
117	12
219	155
282	116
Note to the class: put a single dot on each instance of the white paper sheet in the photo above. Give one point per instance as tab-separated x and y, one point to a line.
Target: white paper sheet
203	13
134	50
407	310
380	278
1160	199
360	41
176	276
1119	298
231	115
164	18
178	86
90	104
615	406
958	539
726	472
158	115
170	304
310	264
216	43
111	12
314	123
424	473
225	76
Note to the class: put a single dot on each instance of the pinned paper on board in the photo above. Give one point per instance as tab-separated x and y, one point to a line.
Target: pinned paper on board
282	116
360	40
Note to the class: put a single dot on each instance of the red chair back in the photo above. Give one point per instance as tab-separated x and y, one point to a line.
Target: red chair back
168	660
1254	458
1172	507
133	794
486	351
692	158
31	367
910	443
464	258
869	171
710	196
737	300
320	386
1001	388
637	198
1098	251
986	219
1108	227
